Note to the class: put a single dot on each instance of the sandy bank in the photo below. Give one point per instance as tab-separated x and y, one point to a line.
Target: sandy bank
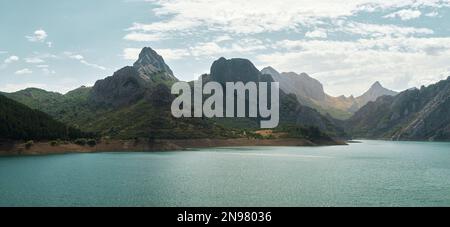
44	148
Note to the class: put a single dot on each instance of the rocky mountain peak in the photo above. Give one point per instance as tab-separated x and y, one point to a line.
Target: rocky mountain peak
377	84
380	90
150	62
132	83
376	90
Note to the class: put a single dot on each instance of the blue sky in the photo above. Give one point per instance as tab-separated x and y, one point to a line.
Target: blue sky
347	45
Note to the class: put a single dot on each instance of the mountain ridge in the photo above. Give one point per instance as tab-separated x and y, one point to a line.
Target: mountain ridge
310	92
419	114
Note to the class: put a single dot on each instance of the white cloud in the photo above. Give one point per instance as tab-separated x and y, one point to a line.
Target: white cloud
432	14
11	59
38	36
82	60
222	38
319	33
8	61
93	65
142	37
34	60
76	57
47	71
131	53
173	54
23	71
379	30
405	14
180	17
349	67
50	44
202	49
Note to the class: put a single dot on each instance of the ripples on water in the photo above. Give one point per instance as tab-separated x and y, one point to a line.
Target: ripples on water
372	173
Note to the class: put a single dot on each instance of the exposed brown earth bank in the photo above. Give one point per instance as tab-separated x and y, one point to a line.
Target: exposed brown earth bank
8	148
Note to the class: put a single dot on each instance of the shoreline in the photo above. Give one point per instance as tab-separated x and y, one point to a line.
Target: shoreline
45	148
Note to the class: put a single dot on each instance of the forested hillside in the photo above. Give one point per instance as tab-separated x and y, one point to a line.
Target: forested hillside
19	122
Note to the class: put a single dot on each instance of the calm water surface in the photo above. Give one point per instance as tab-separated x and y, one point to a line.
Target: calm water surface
372	173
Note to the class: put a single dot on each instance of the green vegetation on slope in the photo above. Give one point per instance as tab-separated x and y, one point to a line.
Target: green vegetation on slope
19	122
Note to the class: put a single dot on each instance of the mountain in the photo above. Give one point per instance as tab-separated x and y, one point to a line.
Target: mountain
233	70
19	122
310	92
291	111
375	91
135	103
132	83
415	114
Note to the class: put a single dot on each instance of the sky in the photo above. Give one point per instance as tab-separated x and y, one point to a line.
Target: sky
347	45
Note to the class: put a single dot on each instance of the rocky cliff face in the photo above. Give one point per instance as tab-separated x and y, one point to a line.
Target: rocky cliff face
412	115
310	92
237	69
130	84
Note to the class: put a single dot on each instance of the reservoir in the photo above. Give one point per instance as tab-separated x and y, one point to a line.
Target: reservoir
370	173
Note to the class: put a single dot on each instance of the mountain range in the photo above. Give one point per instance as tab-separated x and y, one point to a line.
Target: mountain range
415	114
135	102
310	92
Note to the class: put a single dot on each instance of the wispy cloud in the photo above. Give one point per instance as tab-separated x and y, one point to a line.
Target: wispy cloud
319	33
23	71
357	64
142	37
432	14
34	60
252	16
11	59
83	61
405	14
8	61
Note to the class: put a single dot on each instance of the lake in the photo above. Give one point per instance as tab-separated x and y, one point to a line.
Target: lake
371	173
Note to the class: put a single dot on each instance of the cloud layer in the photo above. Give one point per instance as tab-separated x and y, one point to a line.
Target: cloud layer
338	42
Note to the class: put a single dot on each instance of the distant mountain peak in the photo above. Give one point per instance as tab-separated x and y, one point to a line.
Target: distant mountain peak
377	85
376	90
269	71
379	89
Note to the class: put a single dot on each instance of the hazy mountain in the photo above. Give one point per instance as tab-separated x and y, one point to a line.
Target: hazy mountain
19	122
418	114
375	91
310	92
300	84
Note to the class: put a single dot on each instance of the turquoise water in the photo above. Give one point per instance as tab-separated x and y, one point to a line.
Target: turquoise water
372	173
